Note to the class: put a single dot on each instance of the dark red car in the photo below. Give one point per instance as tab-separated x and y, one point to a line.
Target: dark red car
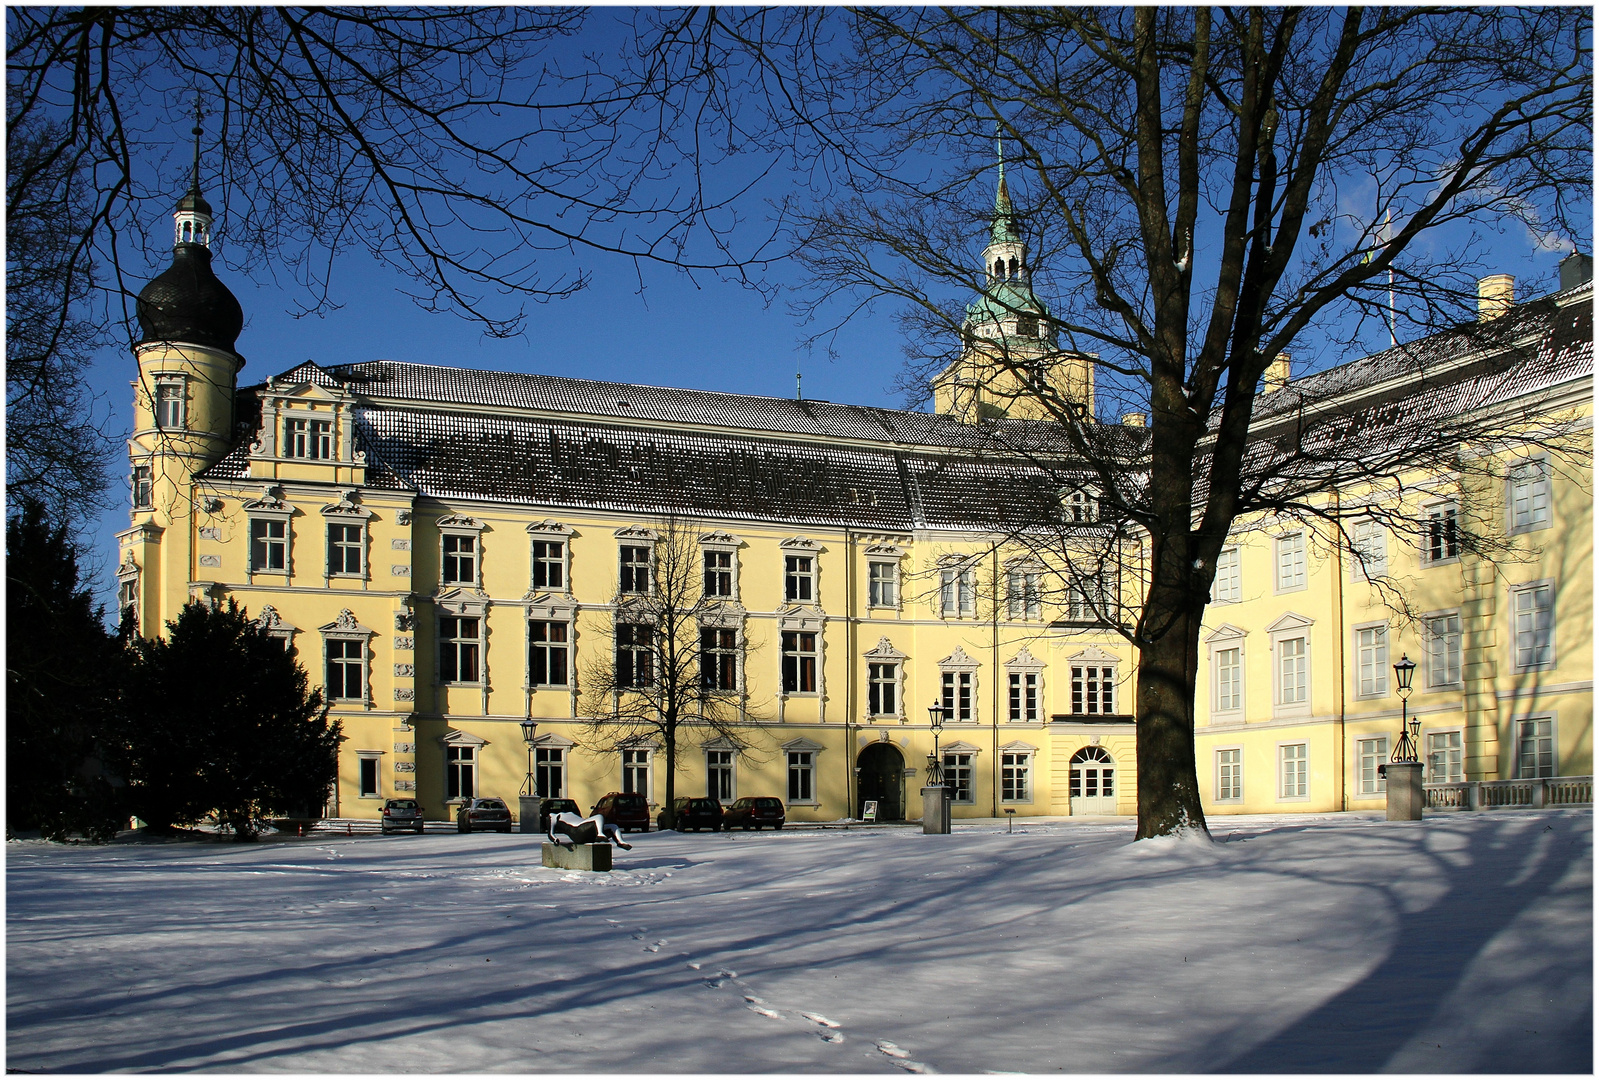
626	810
754	811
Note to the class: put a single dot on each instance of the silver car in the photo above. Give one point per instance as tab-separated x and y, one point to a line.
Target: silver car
483	814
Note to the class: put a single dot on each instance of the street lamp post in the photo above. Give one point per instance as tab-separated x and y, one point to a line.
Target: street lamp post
529	803
935	796
1406	795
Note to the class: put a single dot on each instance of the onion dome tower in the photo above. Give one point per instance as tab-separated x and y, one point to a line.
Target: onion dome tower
183	410
1009	350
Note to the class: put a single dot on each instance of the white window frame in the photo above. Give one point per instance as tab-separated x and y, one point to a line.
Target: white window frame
885	654
1451	776
171	397
1016	771
957	590
307	435
882	583
1532	589
1024	592
1529	495
546	533
1520	765
1437	650
1301	773
1223	792
141	486
957	687
727	768
549	760
271	508
637	761
1092	598
1440	535
1079	505
1368	547
346	514
636	537
721	544
720	627
457	528
564	646
461	759
345	629
1290	562
1370	648
1227	587
1226	638
1096	673
477	641
960	773
1287	629
800	757
798	654
1371	753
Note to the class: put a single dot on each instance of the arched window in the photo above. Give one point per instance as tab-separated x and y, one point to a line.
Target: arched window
999	268
1014	267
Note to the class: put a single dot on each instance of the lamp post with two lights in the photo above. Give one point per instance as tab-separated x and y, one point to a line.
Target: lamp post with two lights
1406	795
935	796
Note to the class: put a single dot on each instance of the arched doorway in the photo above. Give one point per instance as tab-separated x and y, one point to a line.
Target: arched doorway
880	770
1093	781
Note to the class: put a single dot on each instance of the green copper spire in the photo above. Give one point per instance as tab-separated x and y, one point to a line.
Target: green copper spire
1004	230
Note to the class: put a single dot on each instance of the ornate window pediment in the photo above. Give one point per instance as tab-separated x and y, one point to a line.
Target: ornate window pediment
462	738
548	605
461	523
1019	747
275	624
800	617
270	503
1094	655
637	533
800	543
803	745
346	507
346	625
721	742
885	651
960	746
551	740
461	602
958	661
729	616
549	528
720	539
885	551
1024	661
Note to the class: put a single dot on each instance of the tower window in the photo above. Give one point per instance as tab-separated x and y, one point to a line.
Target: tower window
1027	326
169	402
999	268
1014	267
141	487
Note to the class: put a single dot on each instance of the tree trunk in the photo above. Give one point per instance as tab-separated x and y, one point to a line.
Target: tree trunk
1168	782
669	737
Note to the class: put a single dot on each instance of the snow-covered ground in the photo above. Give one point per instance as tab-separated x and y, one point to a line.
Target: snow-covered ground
1341	943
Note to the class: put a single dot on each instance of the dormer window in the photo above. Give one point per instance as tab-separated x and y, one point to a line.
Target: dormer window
310	439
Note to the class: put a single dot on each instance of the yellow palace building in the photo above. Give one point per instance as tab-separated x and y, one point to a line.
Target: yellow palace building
447	551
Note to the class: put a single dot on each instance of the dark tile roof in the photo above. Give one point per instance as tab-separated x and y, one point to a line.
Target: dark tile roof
579	443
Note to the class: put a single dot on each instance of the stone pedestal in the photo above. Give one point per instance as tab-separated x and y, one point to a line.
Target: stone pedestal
935	809
528	813
578	856
1405	795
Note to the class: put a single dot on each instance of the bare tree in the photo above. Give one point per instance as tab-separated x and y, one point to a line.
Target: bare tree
57	442
1204	191
676	663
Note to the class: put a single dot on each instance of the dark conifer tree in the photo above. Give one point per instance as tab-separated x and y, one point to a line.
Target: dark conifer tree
218	717
60	670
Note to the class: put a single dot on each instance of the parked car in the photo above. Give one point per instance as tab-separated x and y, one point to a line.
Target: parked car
693	814
548	808
401	814
626	810
754	811
483	814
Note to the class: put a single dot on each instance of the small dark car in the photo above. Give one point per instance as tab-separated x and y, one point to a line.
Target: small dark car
401	814
483	814
754	811
695	814
548	808
627	811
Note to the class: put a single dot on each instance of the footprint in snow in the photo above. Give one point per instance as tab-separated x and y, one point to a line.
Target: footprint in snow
818	1018
915	1067
764	1011
693	965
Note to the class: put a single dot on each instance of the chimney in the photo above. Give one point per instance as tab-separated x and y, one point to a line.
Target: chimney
1575	269
1276	374
1496	294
